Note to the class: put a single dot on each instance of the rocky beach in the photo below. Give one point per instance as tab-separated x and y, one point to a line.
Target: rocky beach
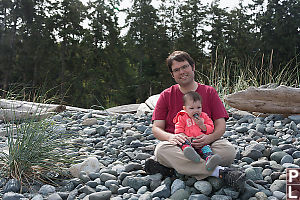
115	147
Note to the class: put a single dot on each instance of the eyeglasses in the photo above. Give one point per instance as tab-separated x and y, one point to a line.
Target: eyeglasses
183	67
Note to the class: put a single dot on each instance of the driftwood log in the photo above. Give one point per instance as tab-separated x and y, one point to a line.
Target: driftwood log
17	110
279	100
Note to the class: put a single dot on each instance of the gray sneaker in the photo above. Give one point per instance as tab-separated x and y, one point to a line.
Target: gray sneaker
191	154
213	161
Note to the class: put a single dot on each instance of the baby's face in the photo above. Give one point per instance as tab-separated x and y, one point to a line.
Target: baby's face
192	107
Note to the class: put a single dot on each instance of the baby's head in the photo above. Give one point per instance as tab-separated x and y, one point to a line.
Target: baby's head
192	103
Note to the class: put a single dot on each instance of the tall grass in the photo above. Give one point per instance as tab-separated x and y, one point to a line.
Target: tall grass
34	150
32	94
35	146
228	76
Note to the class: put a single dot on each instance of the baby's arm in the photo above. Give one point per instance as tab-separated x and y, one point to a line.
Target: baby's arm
208	123
201	123
180	127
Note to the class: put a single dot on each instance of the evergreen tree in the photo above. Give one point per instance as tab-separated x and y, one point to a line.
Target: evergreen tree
191	37
147	48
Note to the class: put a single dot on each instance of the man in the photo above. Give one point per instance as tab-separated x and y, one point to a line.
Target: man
167	153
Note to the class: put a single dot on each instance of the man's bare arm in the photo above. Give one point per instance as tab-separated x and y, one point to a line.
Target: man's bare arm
219	130
159	133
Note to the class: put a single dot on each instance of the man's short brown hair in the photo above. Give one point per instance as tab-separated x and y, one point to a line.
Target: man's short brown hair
179	56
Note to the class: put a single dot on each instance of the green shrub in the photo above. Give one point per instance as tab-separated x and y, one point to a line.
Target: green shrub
35	149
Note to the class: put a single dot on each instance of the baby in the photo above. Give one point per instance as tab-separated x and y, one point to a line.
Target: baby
192	122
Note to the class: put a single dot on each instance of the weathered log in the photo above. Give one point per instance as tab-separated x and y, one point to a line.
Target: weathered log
279	100
18	110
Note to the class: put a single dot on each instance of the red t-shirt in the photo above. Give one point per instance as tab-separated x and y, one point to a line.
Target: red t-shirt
170	103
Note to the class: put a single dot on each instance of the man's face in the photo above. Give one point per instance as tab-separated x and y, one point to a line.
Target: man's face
183	73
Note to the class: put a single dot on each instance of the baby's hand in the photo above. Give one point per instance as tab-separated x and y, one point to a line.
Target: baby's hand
199	121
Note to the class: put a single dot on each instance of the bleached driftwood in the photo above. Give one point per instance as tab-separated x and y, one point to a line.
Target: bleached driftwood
279	100
17	110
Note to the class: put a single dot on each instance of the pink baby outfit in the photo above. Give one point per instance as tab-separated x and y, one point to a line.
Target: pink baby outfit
185	124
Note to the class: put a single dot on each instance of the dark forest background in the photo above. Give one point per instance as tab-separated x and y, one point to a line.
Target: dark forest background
44	46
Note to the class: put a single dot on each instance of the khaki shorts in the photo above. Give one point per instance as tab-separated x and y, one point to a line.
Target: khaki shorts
172	156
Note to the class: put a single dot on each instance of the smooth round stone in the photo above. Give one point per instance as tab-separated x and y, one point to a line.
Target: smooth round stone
278	185
204	187
100	188
267	192
162	191
92	184
177	185
123	190
266	172
198	197
252	153
37	197
297	161
231	193
142	190
277	156
106	176
191	180
254	173
89	121
251	126
261	196
220	197
114	188
93	175
135	182
132	167
268	179
270	130
129	139
278	124
84	177
247	160
228	134
13	185
180	194
216	183
278	194
290	165
141	128
296	154
131	190
47	189
142	156
108	183
260	128
241	129
12	196
260	163
286	159
54	196
147	196
104	195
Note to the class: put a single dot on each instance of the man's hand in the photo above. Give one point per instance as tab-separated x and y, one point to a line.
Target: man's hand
177	138
201	140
